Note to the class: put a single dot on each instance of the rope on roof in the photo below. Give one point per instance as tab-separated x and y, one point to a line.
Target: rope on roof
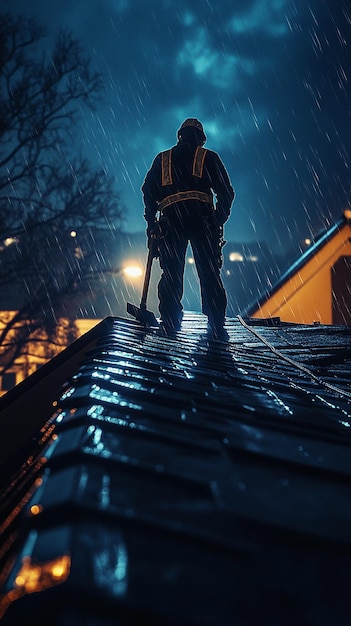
296	364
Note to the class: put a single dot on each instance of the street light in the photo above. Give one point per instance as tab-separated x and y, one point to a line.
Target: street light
133	271
235	256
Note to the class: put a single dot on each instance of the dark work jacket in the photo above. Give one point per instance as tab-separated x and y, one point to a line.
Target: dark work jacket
214	179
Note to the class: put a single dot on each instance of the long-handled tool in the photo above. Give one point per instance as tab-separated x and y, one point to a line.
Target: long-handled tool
147	318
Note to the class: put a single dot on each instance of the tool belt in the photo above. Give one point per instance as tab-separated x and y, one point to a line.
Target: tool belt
182	196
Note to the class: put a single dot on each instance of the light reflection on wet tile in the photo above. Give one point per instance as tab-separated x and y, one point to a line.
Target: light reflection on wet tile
97	393
200	441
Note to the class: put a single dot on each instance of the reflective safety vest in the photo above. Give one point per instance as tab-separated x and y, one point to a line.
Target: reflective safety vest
167	179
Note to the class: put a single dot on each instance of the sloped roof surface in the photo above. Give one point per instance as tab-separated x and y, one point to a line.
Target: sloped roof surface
311	252
192	481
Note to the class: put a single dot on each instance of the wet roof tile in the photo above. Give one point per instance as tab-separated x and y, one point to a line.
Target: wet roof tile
175	465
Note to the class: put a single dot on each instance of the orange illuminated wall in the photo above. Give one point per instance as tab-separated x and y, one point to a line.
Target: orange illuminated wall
318	286
37	351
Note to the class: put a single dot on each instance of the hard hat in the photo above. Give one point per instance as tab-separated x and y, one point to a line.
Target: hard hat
192	122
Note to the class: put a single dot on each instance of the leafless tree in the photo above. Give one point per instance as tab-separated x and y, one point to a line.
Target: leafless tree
47	189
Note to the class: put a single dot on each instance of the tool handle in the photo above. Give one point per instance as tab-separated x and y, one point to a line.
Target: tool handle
150	258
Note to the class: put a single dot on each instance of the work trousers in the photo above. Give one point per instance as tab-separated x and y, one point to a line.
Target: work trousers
204	238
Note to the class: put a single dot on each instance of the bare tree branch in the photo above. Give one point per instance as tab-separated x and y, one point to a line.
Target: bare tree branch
46	188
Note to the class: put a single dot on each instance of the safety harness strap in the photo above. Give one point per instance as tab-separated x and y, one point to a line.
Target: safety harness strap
181	196
185	195
198	163
197	170
167	168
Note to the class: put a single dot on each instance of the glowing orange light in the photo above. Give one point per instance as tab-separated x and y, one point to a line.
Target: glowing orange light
35	509
35	577
58	569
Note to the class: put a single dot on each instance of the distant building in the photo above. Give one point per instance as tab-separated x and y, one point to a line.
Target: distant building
38	350
317	287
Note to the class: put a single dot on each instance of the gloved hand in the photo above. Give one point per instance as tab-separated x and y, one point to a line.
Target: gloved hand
153	233
218	222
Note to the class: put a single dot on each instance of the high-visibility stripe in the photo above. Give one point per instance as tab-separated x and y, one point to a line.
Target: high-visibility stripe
185	195
198	165
167	168
199	159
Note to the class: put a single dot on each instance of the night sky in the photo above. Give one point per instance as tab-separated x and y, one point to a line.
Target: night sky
269	79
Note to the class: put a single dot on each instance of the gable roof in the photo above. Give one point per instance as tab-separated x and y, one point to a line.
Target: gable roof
304	293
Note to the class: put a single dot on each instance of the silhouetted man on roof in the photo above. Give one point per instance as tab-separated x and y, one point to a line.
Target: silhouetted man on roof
179	208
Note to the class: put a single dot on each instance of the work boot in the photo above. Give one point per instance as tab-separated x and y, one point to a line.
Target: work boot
170	326
216	328
172	323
